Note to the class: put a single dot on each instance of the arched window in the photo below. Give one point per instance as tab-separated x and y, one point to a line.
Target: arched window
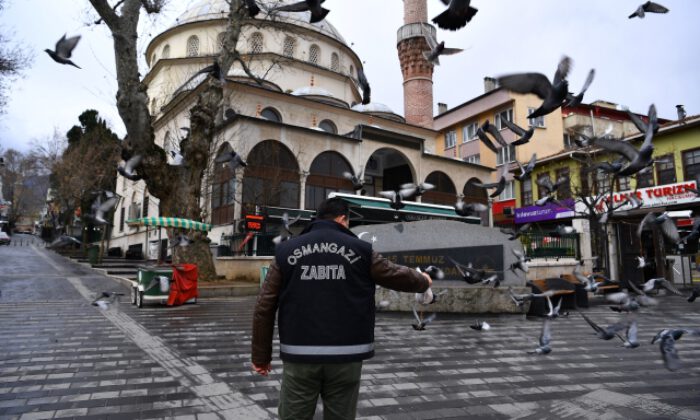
335	62
255	43
192	46
146	204
223	191
289	46
328	126
154	106
473	194
166	51
271	177
153	59
220	40
314	53
326	176
444	191
352	71
271	114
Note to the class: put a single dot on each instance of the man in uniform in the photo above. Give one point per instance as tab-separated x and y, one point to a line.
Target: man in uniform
323	283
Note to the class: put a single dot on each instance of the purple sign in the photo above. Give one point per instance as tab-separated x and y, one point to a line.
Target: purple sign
550	211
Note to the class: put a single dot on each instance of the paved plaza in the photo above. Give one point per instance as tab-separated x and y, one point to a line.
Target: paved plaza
60	357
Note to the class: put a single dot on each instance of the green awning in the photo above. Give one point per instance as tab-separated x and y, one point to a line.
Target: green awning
170	222
422	210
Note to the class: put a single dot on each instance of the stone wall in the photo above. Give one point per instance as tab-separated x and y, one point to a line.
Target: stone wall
542	269
245	269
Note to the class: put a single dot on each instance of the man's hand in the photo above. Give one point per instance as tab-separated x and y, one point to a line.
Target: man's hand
263	369
430	281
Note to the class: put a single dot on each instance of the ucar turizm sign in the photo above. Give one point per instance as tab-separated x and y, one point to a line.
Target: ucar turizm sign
663	195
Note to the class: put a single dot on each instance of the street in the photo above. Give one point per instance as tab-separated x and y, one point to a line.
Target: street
61	357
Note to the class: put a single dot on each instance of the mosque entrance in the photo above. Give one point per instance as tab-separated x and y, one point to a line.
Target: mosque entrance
387	169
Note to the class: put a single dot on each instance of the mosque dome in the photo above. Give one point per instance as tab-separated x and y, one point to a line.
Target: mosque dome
379	110
205	10
319	94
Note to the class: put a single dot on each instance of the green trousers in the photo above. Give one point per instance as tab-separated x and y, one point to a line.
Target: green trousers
302	383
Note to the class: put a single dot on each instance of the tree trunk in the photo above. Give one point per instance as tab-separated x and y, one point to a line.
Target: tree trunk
177	188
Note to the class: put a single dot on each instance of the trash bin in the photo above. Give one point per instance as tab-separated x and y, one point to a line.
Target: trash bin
148	287
93	253
263	273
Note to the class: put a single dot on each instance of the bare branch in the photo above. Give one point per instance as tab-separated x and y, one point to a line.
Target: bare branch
119	3
152	6
106	12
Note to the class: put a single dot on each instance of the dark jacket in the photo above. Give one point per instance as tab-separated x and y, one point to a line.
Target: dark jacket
323	283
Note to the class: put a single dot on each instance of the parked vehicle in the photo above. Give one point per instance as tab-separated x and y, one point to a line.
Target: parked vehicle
4	238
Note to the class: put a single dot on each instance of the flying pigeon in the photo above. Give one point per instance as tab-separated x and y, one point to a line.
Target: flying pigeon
285	233
64	49
521	263
491	129
486	140
527	170
181	241
694	295
253	8
421	323
520	300
575	100
515	234
605	333
498	186
437	49
101	208
546	183
396	199
64	240
667	344
364	85
127	171
658	283
525	135
318	13
468	209
664	222
552	93
458	13
358	181
233	159
638	159
564	230
411	190
545	338
648	7
469	274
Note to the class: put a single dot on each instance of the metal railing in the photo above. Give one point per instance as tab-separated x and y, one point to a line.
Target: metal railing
547	245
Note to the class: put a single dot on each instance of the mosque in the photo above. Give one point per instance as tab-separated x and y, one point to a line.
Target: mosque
298	131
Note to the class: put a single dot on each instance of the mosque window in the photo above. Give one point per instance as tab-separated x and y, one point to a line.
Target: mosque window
314	53
352	71
192	46
153	59
335	62
166	51
154	106
328	126
255	43
271	114
289	46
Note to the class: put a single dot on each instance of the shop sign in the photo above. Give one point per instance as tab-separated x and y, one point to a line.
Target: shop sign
550	211
660	196
254	223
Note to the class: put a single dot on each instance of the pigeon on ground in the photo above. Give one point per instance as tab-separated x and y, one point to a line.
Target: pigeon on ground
364	85
421	323
545	338
437	49
458	13
106	298
664	222
525	135
285	232
575	100
694	295
527	170
358	181
648	7
411	190
233	159
480	326
253	8
515	234
63	50
468	209
318	13
127	171
552	93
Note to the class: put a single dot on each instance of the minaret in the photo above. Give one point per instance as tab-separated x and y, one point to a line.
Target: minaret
417	71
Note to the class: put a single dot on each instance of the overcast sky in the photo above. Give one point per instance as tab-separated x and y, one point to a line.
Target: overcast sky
637	61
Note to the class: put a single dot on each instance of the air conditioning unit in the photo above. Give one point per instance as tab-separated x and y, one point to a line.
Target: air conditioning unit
507	211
